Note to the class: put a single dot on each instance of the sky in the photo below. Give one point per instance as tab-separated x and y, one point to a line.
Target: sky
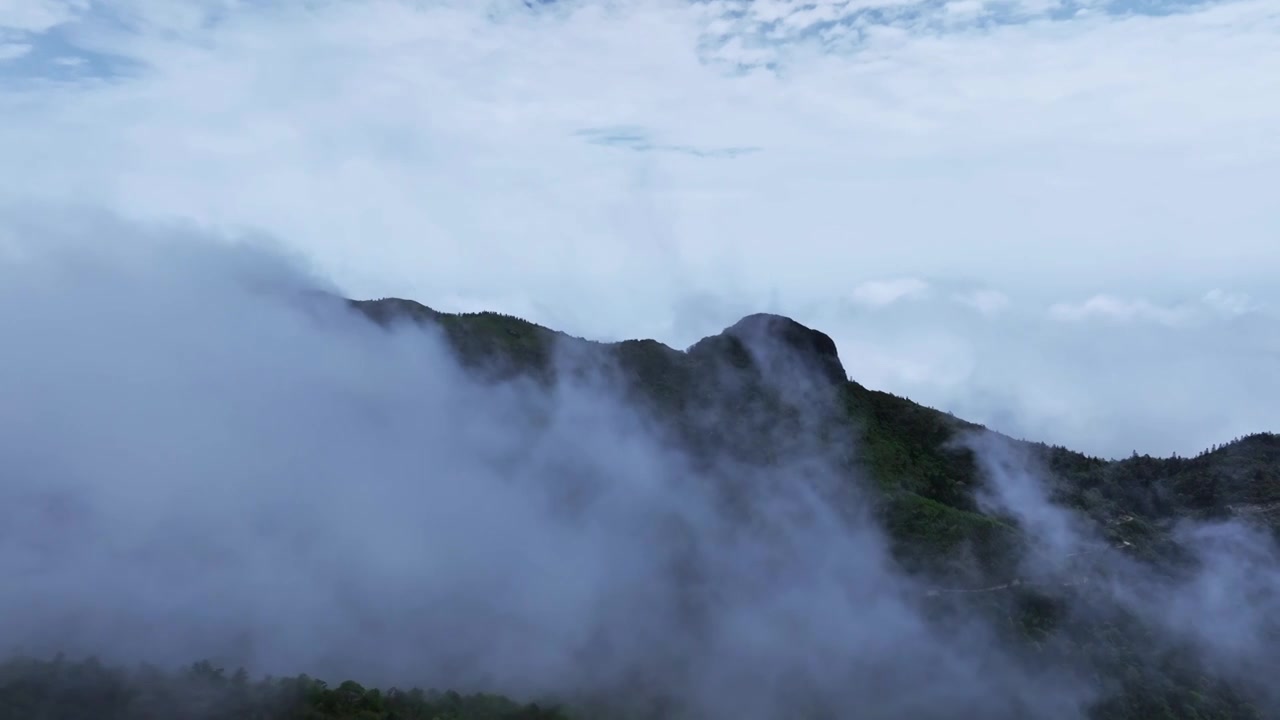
1054	218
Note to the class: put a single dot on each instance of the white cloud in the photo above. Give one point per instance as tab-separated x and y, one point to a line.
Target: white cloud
1219	302
964	7
38	15
435	150
1110	307
878	293
13	50
986	301
1229	303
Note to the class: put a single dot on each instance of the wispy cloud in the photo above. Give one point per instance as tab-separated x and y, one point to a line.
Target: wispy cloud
879	293
1109	307
985	301
638	139
13	50
1215	302
37	16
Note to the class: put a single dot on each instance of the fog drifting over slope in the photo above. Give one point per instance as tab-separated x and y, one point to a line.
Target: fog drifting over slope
1220	602
202	458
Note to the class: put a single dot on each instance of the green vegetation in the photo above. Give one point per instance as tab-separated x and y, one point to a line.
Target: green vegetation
32	689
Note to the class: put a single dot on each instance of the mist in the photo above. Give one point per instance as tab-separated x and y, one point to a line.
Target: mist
1213	595
207	454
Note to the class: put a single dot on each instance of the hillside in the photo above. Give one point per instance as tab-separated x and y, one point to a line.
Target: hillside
928	484
767	391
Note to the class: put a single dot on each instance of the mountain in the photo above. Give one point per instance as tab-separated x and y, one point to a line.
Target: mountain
929	485
928	482
1114	573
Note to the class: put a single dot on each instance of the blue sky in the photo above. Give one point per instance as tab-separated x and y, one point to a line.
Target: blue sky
1058	218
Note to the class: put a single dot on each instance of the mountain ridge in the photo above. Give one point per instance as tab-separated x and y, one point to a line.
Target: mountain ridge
928	483
386	310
